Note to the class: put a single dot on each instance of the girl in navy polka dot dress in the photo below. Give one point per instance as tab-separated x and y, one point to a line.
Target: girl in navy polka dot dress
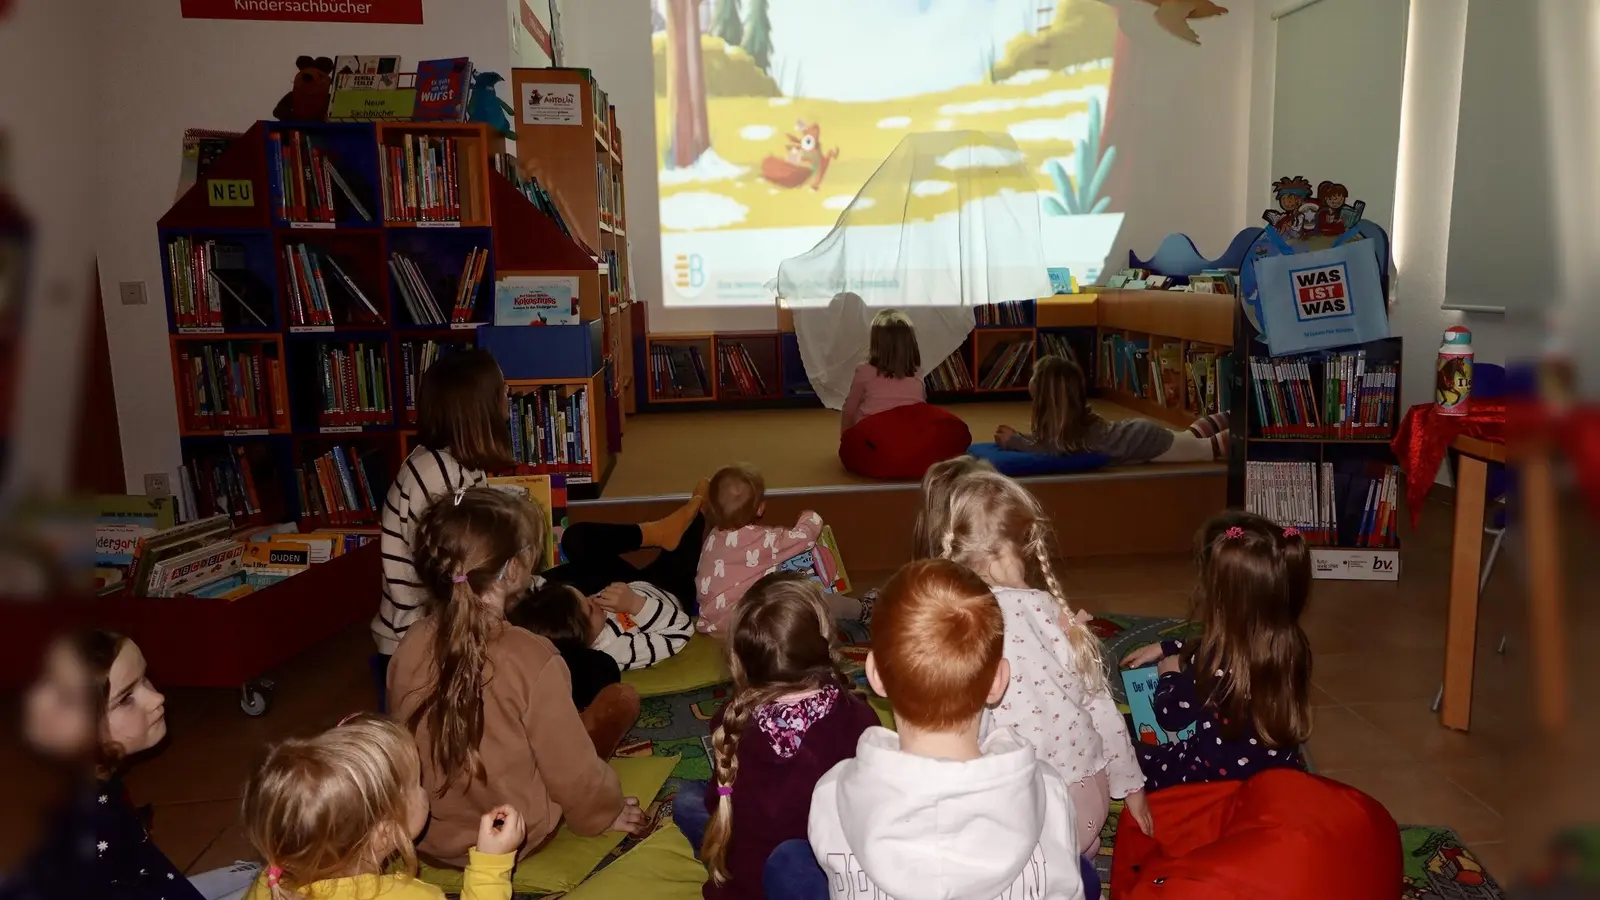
1244	683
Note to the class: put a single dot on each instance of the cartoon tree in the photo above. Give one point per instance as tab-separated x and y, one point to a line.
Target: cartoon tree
686	85
758	35
1111	133
725	23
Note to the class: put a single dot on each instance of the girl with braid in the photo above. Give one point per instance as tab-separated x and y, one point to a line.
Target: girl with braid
791	715
1058	699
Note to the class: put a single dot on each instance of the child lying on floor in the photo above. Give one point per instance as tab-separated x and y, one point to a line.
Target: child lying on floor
636	625
1063	424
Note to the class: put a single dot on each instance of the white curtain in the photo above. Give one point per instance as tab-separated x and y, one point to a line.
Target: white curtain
949	221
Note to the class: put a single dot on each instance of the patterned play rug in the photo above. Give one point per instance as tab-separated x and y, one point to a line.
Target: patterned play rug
1437	864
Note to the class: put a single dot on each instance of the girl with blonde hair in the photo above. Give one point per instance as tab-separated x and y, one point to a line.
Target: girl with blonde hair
1059	699
490	705
791	716
330	814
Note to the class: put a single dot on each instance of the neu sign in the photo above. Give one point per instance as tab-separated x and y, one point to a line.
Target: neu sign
395	12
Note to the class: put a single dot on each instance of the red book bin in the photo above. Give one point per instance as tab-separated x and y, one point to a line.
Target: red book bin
206	642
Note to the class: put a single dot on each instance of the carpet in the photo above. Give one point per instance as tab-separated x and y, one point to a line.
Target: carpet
1438	865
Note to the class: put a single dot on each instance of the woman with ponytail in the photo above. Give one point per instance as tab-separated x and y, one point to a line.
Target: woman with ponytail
491	705
1059	699
790	717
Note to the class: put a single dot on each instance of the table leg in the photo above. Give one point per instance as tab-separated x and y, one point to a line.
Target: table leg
1543	546
1461	626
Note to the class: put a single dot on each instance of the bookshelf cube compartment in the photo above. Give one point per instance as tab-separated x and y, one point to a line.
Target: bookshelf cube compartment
341	482
435	174
332	281
1349	394
1076	344
239	477
218	282
795	381
1015	314
233	386
1005	359
558	427
546	351
441	278
341	385
681	368
416	353
952	375
748	367
323	175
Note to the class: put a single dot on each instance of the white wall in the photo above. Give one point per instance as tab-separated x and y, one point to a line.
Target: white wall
160	74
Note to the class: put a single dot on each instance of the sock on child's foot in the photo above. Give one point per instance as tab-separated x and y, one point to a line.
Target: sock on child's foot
1219	445
666	532
1207	426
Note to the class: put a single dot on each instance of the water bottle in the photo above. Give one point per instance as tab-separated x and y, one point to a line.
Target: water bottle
1453	385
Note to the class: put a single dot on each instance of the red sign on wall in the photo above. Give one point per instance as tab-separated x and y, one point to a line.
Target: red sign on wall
541	35
395	12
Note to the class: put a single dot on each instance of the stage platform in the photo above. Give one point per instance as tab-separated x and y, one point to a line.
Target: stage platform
1118	511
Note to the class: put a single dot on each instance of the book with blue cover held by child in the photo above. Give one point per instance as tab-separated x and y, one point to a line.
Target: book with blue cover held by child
1140	685
821	563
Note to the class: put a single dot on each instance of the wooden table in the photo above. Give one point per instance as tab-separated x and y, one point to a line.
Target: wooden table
1537	519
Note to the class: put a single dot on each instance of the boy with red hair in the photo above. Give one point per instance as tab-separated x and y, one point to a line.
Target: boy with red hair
932	811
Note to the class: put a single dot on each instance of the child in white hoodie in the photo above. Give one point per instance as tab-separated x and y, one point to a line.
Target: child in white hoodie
932	812
1058	698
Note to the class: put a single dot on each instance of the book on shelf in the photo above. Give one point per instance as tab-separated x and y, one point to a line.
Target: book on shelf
334	486
1018	312
442	88
310	272
529	187
550	427
1209	379
201	149
168	543
422	180
422	304
678	371
1344	505
229	385
355	384
1054	343
208	276
1006	365
739	374
194	569
415	358
949	376
1125	365
218	482
1215	281
308	185
1354	399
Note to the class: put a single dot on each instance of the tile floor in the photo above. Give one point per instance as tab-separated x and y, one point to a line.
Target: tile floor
1379	651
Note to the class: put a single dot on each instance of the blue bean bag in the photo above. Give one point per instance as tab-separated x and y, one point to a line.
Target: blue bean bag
1018	464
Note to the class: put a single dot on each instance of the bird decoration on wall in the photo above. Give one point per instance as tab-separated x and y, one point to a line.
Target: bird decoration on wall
1174	15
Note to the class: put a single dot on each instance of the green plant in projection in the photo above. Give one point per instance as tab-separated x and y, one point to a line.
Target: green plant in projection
1081	195
725	22
758	35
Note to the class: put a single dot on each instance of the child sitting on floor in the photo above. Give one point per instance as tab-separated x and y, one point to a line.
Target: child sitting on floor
329	814
1063	424
790	717
934	811
738	549
1247	679
891	376
1058	699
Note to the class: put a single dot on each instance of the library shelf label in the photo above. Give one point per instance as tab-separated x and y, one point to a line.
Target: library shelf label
341	429
314	226
438	224
552	104
200	329
311	329
244	432
580	479
1355	564
465	326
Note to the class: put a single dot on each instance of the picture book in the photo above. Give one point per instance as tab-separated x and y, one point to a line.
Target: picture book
821	563
380	73
168	543
180	574
1140	685
550	493
442	90
541	300
1061	281
279	559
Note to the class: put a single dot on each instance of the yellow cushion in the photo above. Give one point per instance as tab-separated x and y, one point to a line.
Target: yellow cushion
880	705
568	859
700	664
662	867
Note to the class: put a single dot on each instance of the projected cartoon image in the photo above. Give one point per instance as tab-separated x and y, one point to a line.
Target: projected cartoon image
771	114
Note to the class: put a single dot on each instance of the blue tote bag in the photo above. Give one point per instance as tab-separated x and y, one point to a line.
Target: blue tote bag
1312	300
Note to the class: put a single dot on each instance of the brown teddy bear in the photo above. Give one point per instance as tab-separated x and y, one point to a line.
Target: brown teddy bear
308	100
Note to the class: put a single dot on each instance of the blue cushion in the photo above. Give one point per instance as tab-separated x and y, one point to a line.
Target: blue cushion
1014	463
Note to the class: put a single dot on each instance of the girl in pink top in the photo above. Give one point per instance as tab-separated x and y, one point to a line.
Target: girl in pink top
738	549
892	375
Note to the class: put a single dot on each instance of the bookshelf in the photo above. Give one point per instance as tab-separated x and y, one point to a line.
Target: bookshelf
313	274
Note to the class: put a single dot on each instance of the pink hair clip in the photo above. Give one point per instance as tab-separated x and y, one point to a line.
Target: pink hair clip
1234	532
274	876
1291	531
459	579
724	790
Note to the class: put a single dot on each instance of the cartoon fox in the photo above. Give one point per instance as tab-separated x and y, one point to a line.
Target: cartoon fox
805	149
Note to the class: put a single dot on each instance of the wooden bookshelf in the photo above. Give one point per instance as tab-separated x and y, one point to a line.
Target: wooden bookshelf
255	251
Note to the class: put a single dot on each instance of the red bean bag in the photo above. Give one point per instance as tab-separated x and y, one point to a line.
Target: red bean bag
1282	833
900	444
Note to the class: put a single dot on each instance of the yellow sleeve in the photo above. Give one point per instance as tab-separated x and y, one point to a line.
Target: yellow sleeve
488	876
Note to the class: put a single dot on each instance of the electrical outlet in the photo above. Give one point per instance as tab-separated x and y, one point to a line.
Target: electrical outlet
132	293
156	484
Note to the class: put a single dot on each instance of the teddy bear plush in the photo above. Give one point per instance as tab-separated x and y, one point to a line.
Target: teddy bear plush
308	100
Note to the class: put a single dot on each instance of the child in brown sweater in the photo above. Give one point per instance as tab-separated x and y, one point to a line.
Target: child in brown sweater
491	705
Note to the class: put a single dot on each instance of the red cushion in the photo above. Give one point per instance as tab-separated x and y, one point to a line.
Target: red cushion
1282	833
900	444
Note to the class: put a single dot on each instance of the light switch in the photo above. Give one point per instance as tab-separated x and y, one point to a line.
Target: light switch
132	293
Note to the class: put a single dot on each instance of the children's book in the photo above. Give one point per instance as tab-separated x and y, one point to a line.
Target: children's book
1140	685
821	563
536	300
183	573
278	559
442	90
1061	281
549	492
